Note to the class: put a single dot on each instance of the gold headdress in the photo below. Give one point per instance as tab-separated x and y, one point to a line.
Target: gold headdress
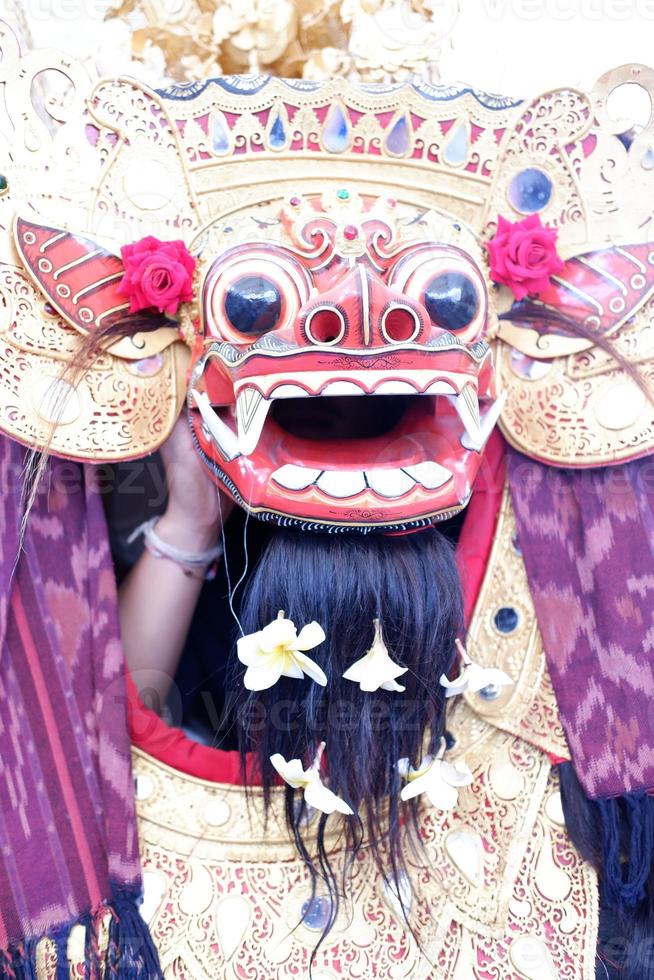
119	161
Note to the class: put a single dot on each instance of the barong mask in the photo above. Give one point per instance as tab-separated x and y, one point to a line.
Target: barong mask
333	349
344	380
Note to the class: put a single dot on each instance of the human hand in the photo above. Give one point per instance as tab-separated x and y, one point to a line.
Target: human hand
196	507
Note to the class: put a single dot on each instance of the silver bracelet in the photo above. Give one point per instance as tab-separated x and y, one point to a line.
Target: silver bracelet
200	564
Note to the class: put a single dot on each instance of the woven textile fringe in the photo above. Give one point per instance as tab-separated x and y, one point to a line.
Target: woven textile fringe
117	944
627	824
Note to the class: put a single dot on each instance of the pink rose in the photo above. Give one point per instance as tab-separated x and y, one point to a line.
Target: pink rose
157	274
523	255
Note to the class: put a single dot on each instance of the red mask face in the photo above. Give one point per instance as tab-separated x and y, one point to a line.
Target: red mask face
345	382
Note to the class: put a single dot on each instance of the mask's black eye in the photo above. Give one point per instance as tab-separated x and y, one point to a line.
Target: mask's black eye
253	304
452	300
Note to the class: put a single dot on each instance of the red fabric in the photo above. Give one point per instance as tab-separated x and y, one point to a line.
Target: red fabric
172	747
478	531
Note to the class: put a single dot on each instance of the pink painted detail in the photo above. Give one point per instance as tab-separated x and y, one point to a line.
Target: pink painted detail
475	132
416	121
92	134
384	118
262	116
446	125
203	123
588	145
350	232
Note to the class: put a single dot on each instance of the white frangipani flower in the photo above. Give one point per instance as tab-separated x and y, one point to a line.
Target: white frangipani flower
316	793
376	669
473	677
276	651
440	780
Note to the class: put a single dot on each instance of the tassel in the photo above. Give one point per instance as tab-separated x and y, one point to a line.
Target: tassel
130	953
630	820
130	943
60	940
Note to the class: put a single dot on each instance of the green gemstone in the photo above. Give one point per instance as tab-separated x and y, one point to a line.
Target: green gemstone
3	183
343	195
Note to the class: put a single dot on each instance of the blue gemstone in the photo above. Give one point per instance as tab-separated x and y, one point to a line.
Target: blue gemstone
253	304
336	131
316	914
397	142
277	134
452	300
506	620
530	191
456	151
647	163
219	136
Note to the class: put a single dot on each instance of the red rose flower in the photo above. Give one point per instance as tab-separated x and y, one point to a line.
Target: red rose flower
523	256
157	274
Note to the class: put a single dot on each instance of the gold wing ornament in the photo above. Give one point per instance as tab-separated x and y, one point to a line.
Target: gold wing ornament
60	243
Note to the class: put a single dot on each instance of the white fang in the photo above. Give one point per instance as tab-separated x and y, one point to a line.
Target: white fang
251	411
221	434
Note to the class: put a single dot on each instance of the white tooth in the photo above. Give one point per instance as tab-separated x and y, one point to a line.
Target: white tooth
395	388
342	388
342	483
487	426
221	434
295	477
467	406
251	411
430	475
390	483
290	391
441	388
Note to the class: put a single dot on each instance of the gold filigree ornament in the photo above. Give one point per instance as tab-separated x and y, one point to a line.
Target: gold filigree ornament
126	401
570	401
368	40
499	890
